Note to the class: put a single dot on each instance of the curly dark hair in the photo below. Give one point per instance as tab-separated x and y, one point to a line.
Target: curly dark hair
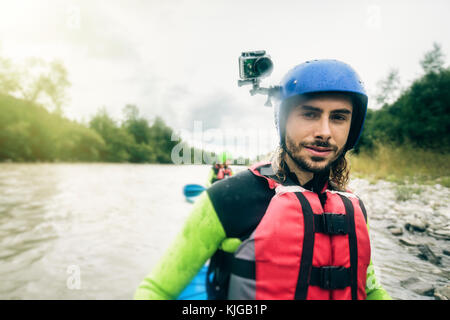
339	170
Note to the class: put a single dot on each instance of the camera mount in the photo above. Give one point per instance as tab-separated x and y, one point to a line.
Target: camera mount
273	91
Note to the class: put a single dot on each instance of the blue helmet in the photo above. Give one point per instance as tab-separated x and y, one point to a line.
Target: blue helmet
323	76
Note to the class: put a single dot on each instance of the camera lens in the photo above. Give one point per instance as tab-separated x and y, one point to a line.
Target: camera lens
263	66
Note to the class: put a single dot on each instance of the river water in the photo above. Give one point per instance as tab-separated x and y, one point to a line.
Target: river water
93	231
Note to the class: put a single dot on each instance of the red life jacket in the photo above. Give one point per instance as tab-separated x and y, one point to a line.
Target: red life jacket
303	250
220	175
223	173
227	172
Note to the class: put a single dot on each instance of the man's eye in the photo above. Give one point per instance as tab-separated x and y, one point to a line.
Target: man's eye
339	117
309	115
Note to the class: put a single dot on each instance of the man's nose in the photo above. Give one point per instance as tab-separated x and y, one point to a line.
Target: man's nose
323	131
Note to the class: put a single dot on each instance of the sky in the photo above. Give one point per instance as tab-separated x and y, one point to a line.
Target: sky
179	59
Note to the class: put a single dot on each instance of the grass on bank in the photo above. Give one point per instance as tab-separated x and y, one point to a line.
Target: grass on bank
402	164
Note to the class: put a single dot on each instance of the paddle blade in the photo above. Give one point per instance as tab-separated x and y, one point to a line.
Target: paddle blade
193	190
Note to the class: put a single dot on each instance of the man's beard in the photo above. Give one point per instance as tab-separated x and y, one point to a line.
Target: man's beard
292	149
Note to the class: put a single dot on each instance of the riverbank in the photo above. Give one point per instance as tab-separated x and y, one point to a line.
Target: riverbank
402	164
410	233
407	191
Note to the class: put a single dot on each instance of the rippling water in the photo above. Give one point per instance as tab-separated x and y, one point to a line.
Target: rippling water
107	225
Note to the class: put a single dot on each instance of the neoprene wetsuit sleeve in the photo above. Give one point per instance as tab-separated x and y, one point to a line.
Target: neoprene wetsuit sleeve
211	176
201	235
374	290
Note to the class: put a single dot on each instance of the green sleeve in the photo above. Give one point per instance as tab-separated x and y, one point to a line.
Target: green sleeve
211	176
200	237
374	290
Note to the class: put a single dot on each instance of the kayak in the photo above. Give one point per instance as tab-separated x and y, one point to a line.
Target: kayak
196	289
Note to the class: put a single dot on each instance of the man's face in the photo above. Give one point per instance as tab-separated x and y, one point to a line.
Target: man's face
317	131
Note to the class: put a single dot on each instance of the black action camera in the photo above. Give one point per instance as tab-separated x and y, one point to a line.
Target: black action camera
254	64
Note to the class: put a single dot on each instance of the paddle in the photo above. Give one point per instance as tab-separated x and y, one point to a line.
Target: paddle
193	190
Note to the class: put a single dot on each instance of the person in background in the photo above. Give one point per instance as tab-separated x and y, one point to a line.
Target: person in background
221	169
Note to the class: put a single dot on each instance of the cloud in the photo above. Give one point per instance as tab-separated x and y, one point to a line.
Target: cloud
221	109
103	35
221	121
213	111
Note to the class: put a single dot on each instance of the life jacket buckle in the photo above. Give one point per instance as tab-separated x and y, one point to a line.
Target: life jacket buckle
332	277
335	223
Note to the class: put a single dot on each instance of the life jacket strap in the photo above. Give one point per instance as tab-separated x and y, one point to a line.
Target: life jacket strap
244	268
218	275
330	277
330	223
327	277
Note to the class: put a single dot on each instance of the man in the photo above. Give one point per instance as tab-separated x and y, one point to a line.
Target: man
287	229
220	169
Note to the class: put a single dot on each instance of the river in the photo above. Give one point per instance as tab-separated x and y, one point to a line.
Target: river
93	231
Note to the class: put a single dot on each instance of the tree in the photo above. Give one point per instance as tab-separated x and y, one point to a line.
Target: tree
131	112
161	140
136	126
433	60
79	143
55	83
389	88
117	139
9	78
425	111
36	81
29	132
420	116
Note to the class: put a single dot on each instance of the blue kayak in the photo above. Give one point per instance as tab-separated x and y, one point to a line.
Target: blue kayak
196	289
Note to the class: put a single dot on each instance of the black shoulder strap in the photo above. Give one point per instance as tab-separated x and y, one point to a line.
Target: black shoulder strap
353	245
361	204
301	290
218	275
